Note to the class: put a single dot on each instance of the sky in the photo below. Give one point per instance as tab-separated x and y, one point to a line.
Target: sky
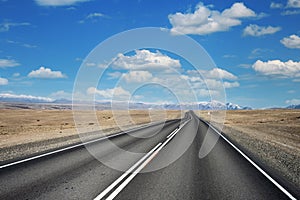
255	46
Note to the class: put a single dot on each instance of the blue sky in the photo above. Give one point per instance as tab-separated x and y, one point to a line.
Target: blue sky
255	45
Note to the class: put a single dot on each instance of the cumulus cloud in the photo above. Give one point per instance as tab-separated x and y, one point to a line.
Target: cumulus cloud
256	31
58	2
220	73
8	63
292	42
116	93
3	81
274	5
211	79
206	21
293	3
216	84
215	73
293	101
289	69
137	76
5	26
146	60
25	97
43	72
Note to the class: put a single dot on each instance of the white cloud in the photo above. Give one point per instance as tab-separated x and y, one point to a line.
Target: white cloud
61	94
231	84
58	2
216	84
137	76
145	59
220	73
21	44
114	75
93	17
292	42
24	97
90	64
259	53
229	56
245	65
256	31
238	10
290	12
278	68
116	93
16	74
29	46
293	101
8	63
5	26
43	72
211	80
293	4
3	81
215	73
205	21
274	5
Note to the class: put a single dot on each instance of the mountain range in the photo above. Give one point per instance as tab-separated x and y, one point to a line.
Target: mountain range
210	105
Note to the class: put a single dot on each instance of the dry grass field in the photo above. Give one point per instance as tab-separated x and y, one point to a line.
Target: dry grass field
27	131
23	126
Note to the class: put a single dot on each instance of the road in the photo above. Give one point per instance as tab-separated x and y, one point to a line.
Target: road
75	174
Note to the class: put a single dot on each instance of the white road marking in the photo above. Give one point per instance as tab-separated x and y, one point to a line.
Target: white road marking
74	146
116	182
152	154
172	132
254	164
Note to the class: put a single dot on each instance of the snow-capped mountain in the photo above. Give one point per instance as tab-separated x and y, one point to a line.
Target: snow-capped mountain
212	105
294	106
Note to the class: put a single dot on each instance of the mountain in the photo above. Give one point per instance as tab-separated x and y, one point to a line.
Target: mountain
101	105
293	106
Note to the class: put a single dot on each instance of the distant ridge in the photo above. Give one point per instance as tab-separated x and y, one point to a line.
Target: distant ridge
205	105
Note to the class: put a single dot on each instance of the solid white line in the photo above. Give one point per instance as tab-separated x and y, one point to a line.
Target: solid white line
127	181
57	151
74	146
172	132
116	182
254	164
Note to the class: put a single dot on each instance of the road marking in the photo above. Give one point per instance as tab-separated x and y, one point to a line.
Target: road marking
172	132
150	155
74	146
254	164
116	182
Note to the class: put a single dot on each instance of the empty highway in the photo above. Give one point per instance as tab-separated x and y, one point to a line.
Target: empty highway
225	173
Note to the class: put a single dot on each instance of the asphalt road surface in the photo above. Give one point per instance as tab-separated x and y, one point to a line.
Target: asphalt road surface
163	166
